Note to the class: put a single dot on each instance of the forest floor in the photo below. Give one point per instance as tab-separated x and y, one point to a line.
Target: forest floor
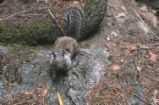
28	11
129	32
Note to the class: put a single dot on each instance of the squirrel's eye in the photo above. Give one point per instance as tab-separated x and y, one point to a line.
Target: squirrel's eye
67	49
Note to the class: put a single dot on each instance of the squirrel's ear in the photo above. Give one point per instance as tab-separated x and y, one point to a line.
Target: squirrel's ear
53	54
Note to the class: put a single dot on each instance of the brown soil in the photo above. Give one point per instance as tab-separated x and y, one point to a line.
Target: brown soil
20	12
28	97
127	33
134	55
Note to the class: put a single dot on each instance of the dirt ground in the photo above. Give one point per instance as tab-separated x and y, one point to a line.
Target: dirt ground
28	11
129	32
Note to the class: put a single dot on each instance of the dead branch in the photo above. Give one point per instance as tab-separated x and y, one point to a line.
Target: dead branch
25	15
156	44
141	99
56	22
141	48
137	14
18	13
145	47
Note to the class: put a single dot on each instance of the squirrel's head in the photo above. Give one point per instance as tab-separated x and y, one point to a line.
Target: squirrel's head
60	61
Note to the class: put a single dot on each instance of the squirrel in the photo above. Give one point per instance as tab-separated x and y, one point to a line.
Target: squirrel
64	50
74	17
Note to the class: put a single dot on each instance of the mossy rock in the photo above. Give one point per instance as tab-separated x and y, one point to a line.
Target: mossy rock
46	31
32	34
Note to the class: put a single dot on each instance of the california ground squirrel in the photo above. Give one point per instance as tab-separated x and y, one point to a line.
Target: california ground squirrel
65	49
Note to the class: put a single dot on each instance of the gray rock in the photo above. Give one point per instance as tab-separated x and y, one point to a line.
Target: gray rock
86	71
3	50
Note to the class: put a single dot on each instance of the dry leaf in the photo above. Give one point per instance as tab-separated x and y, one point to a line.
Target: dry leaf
116	67
155	100
45	91
28	92
110	45
154	57
130	47
113	48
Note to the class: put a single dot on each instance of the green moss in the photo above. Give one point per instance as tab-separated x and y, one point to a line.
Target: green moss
85	46
35	51
22	52
25	34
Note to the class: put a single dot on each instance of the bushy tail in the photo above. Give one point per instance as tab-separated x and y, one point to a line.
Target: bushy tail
74	22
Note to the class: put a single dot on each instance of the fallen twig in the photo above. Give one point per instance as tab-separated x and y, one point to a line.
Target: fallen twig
31	15
145	24
18	13
59	98
156	44
141	99
56	22
145	47
141	48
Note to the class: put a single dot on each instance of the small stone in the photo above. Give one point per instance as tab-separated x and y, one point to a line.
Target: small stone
138	68
114	34
109	24
122	60
108	38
